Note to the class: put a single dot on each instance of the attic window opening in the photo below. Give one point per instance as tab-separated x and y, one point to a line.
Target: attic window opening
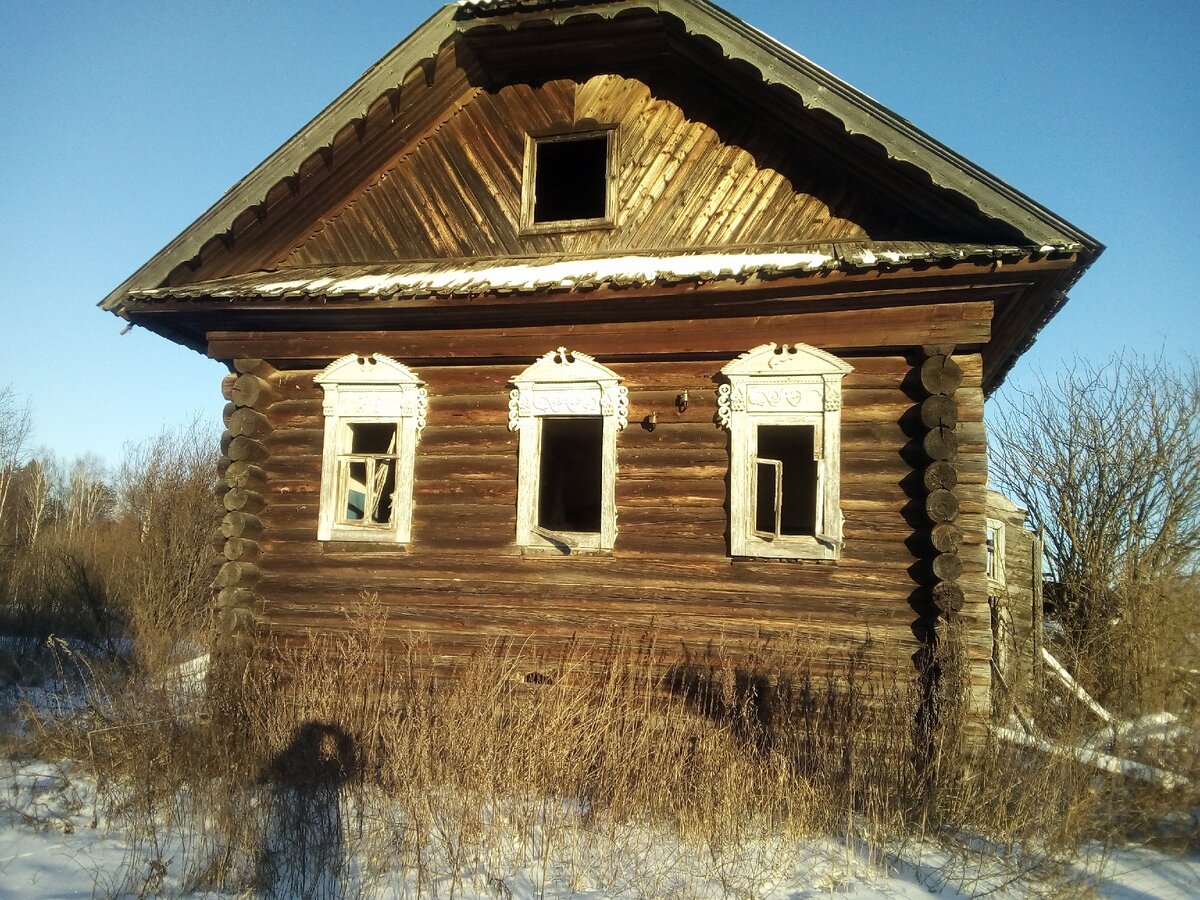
568	181
786	481
570	479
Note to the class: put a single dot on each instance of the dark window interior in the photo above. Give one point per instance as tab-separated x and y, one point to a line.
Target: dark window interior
569	480
791	445
370	474
366	438
571	180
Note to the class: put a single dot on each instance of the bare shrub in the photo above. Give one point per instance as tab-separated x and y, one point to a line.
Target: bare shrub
355	766
162	567
1105	458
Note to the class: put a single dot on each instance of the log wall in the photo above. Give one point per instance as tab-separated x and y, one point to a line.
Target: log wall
462	582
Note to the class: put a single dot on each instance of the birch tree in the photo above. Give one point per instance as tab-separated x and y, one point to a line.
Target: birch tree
15	424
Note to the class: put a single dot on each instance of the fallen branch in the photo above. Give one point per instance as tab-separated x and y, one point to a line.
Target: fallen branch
1095	758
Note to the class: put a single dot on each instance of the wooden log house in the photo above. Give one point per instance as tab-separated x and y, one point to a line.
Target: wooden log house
580	315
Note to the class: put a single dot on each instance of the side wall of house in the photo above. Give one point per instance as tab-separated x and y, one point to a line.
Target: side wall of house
1016	618
462	583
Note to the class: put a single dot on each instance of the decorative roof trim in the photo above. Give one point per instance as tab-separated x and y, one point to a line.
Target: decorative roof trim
775	63
353	103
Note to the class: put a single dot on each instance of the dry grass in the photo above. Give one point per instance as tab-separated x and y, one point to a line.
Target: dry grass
370	770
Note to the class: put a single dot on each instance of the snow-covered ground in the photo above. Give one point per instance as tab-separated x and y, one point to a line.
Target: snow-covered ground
51	845
55	842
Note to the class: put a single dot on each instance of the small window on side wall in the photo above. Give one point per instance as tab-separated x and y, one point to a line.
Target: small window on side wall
782	407
374	413
995	557
568	409
568	183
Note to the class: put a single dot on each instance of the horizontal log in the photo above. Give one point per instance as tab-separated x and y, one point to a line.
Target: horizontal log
947	566
238	574
244	449
227	385
939	411
946	538
252	367
949	597
940	444
236	621
941	506
930	350
941	375
244	474
253	391
236	596
940	476
242	549
246	422
241	524
242	500
900	326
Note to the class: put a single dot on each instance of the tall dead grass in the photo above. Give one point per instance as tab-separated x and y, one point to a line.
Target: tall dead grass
343	769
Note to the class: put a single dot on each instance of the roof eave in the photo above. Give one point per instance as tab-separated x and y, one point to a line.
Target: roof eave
352	103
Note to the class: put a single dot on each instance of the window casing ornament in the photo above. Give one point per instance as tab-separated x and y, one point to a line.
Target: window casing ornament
782	407
563	406
375	411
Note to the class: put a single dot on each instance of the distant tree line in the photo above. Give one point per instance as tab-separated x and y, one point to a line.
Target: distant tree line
102	553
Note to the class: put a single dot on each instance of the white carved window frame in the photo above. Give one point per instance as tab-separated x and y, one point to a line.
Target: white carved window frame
565	384
783	385
994	546
371	389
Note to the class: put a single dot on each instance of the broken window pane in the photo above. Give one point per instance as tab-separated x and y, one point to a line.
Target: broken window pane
785	495
571	179
369	474
570	474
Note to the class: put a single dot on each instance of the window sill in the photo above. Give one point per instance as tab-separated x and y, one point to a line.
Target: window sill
784	560
383	537
561	551
566	226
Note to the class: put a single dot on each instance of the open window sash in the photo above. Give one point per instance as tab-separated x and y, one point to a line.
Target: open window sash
363	481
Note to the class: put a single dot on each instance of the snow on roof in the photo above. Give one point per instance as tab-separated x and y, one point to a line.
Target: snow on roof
421	278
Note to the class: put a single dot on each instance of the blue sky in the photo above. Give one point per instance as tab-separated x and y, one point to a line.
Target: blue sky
123	121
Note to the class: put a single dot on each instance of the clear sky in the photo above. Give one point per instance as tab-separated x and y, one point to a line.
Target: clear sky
122	121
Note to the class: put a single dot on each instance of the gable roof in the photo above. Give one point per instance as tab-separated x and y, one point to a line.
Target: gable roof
775	66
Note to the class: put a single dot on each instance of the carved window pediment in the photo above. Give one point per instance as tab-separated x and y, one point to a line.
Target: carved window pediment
782	407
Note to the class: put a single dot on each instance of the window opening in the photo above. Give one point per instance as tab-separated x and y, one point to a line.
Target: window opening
995	553
786	489
375	409
571	179
570	476
568	409
782	405
369	474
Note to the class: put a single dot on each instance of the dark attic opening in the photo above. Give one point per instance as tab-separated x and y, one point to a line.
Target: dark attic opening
786	481
570	179
569	475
